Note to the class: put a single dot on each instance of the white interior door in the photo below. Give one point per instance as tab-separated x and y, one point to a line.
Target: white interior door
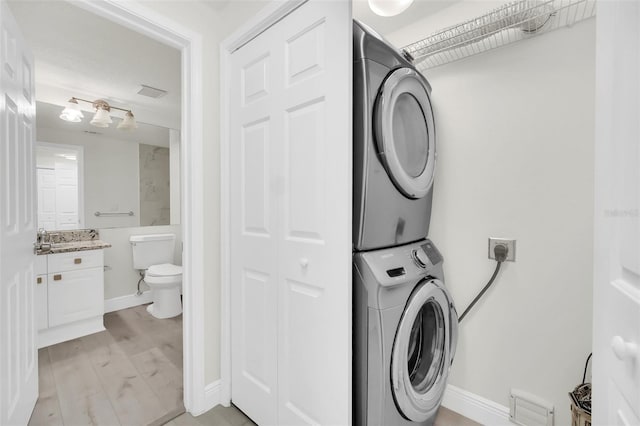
616	370
18	357
290	150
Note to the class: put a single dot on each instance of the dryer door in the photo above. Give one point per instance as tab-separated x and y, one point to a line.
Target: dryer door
422	351
405	133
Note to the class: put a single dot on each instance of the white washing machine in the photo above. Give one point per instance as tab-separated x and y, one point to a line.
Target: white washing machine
405	335
394	145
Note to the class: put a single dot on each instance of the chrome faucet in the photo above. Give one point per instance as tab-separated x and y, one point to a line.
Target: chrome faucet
42	244
42	235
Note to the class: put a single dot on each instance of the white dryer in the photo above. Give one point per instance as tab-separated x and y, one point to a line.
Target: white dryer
394	145
405	335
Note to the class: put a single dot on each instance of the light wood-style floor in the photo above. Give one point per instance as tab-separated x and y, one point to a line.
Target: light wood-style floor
130	374
231	416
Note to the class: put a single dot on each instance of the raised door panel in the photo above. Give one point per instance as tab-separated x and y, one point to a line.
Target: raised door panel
47	201
314	357
75	295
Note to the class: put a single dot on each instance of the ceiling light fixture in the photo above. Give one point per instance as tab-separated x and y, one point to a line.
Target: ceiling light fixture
102	117
72	112
389	7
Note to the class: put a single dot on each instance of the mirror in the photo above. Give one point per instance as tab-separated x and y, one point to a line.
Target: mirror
90	177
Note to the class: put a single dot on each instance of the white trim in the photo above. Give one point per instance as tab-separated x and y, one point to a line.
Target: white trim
128	301
62	333
475	407
140	18
211	396
269	15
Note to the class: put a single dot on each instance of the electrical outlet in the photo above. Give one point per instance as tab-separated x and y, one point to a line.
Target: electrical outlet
510	244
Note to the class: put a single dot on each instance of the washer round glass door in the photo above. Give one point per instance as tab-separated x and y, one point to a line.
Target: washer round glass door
404	132
421	354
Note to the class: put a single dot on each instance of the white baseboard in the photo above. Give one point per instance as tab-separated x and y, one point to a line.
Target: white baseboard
211	395
128	301
475	407
62	333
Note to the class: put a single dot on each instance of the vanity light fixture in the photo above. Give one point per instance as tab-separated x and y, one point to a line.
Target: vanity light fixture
102	117
389	7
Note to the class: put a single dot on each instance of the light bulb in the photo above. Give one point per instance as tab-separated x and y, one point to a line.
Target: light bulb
389	7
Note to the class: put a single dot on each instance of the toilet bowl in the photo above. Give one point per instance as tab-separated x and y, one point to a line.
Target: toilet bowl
165	282
153	255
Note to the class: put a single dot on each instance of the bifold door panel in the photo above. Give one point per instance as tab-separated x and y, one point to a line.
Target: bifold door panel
290	150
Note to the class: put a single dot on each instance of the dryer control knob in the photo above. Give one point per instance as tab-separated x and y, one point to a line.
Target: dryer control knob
420	257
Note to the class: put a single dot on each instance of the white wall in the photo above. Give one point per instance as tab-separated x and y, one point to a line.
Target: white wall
111	177
515	142
214	22
120	279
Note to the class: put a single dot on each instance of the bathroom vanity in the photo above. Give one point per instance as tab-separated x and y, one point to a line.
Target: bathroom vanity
70	291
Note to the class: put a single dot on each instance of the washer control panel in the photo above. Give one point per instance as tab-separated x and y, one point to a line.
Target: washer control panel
420	257
396	265
432	252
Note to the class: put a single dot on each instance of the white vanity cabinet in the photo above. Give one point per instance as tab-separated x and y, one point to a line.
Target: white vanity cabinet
42	310
70	296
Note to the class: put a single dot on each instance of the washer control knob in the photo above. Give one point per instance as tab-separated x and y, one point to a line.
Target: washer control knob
420	257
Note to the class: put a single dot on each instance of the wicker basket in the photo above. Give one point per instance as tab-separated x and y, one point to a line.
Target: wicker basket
580	413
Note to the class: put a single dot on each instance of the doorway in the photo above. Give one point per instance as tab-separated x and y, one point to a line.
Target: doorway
166	31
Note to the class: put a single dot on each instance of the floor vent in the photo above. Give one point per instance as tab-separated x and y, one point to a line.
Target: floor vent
529	410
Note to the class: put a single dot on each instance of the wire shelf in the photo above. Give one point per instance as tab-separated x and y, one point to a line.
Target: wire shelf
515	21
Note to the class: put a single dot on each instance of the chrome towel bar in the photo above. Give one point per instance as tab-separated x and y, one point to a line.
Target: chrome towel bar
129	213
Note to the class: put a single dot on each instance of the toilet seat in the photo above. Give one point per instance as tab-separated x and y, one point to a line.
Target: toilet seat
164	270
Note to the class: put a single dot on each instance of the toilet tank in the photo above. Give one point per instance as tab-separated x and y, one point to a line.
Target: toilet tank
152	249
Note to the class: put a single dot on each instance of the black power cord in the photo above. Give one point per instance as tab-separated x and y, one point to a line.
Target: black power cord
586	365
500	251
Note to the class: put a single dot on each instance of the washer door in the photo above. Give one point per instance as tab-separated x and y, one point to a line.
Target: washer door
405	133
422	351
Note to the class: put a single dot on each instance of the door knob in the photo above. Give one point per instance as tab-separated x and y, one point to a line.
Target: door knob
623	350
304	262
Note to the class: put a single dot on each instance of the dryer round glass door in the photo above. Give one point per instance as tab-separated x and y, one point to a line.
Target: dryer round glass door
404	132
421	354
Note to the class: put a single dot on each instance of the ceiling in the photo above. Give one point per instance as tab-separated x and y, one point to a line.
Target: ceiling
78	53
387	25
48	117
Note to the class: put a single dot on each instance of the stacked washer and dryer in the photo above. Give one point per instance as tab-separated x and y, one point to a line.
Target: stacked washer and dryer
405	322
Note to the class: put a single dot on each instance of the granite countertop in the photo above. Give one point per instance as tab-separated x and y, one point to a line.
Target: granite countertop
75	246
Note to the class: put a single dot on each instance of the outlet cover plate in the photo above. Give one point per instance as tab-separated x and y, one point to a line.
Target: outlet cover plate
511	247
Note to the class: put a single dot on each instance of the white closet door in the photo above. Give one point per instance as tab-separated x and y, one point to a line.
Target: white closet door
314	345
254	250
616	290
291	213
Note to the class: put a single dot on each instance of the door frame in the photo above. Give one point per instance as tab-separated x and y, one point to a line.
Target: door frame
273	12
141	19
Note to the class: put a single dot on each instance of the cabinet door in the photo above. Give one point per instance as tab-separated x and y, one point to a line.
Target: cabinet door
75	295
42	312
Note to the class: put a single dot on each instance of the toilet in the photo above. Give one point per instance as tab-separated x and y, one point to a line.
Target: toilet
154	255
